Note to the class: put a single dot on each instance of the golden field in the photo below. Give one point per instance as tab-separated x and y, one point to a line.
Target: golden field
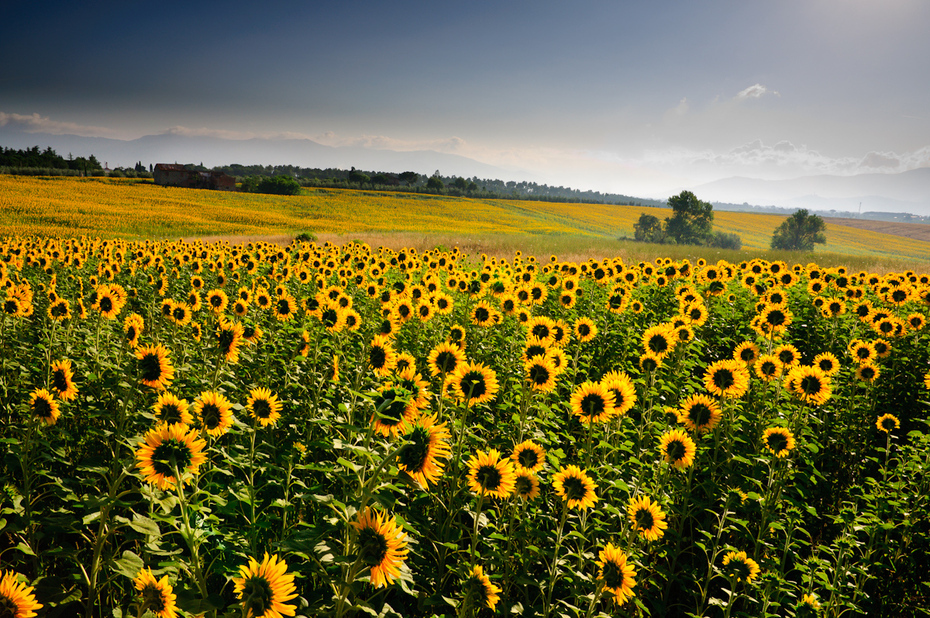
133	209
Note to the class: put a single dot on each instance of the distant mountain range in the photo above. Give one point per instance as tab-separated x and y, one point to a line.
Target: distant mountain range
901	192
215	151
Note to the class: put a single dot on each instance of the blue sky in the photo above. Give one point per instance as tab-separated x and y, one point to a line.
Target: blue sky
624	96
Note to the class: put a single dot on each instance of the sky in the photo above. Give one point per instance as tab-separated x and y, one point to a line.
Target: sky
633	97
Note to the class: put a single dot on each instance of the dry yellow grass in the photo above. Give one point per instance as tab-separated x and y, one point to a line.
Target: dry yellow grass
139	210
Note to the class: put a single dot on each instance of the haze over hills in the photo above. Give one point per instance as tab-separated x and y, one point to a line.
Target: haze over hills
893	192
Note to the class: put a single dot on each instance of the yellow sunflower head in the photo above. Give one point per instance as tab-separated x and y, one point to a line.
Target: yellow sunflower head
575	487
264	406
779	441
157	594
265	587
647	518
382	546
490	474
616	573
167	450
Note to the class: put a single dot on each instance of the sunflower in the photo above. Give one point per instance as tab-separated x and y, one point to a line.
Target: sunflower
827	362
575	487
740	566
214	413
474	383
285	307
63	380
809	384
746	352
108	302
887	423
168	448
133	326
229	337
677	448
808	607
217	301
479	591
264	406
616	573
699	413
43	406
778	441
768	367
526	485
169	409
647	518
264	588
381	355
620	387
867	373
427	444
155	367
60	310
591	402
157	595
882	348
482	314
382	546
491	475
16	598
394	411
658	340
727	378
529	456
585	329
541	373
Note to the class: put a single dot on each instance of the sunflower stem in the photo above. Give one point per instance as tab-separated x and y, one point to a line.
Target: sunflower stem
554	567
474	533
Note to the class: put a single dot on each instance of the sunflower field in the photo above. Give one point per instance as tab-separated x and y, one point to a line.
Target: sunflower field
194	429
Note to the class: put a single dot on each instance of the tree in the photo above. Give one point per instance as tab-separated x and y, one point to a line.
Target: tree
409	177
435	182
800	232
648	229
692	221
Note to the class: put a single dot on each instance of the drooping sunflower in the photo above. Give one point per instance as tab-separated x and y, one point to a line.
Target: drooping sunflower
229	336
778	440
44	407
647	518
479	591
529	456
591	402
394	411
155	368
737	564
616	573
170	409
157	595
382	546
381	355
16	598
699	413
167	448
490	474
427	444
526	485
575	487
474	383
62	380
620	387
214	413
264	406
265	587
727	378
677	448
887	423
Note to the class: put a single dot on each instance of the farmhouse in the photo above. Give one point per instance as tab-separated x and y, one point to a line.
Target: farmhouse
174	175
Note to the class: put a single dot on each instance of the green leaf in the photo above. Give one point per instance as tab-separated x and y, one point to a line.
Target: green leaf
144	525
129	565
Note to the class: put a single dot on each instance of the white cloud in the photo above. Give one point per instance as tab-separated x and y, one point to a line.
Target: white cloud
34	123
756	91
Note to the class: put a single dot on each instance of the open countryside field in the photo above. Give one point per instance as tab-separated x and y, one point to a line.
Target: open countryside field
120	208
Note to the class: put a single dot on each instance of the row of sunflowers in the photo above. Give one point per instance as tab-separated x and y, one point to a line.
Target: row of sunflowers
256	430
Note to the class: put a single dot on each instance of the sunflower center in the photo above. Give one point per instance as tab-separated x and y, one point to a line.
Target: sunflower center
377	357
482	314
477	387
152	598
372	546
675	450
227	339
523	485
584	330
489	477
593	404
60	381
42	407
775	318
658	344
811	385
261	408
777	442
541	331
539	374
216	300
699	414
644	519
169	455
258	595
151	367
210	413
612	574
106	304
769	368
528	458
179	313
415	455
170	413
724	379
574	488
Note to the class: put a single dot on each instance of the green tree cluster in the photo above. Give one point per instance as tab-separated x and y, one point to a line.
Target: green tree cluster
800	232
691	223
276	185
